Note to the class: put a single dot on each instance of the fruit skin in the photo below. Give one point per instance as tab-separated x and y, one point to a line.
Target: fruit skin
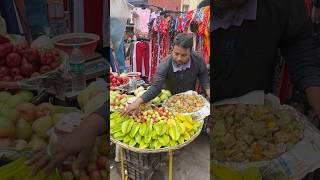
23	130
26	68
13	60
42	125
7	128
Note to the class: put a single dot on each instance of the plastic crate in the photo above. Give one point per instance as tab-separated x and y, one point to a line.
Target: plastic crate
135	173
141	160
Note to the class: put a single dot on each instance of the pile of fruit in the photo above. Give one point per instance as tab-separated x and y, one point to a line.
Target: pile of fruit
20	61
97	169
18	170
118	100
244	133
185	103
116	80
23	124
153	129
163	96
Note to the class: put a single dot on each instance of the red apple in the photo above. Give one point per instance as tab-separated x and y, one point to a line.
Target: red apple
20	48
91	167
7	78
26	68
102	162
13	60
5	49
4	71
45	69
32	55
54	65
35	74
95	175
18	78
3	62
47	58
104	174
67	175
15	72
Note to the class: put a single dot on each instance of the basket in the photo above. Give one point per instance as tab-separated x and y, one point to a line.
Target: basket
87	47
199	114
135	173
144	161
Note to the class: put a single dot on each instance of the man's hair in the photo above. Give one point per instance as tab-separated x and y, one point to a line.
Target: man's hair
203	4
184	40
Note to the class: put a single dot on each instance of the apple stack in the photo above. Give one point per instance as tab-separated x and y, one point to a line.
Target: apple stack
21	62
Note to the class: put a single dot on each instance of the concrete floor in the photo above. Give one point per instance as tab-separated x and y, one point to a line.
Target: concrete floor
192	163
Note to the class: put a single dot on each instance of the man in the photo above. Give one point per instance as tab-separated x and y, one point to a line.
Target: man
79	143
178	73
246	37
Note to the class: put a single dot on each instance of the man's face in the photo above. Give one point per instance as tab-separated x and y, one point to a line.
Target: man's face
180	55
227	4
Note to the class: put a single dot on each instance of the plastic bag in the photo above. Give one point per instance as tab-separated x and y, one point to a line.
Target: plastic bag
119	14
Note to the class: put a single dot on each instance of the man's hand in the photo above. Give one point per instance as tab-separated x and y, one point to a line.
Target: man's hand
134	107
79	143
313	95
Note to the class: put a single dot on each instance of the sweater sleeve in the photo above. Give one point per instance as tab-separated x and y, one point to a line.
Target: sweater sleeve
203	73
299	47
159	80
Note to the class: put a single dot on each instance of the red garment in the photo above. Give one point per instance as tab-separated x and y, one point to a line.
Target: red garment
189	18
93	20
142	56
308	5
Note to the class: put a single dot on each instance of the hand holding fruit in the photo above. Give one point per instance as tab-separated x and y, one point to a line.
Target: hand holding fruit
134	107
80	143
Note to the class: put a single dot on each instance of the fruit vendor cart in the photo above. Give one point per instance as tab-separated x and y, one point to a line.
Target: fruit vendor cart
168	150
157	128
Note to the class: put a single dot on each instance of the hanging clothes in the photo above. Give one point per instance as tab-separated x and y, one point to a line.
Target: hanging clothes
142	19
164	28
142	58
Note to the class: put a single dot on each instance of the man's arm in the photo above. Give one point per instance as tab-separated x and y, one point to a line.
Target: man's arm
300	52
159	80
